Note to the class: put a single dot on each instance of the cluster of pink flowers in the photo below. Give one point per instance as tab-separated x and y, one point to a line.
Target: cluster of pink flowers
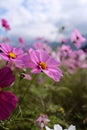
42	121
71	60
38	60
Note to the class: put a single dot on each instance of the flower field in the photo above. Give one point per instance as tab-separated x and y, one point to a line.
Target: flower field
42	88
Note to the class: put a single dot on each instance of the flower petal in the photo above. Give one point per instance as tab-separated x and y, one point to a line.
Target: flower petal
72	127
6	77
8	103
53	73
57	127
47	128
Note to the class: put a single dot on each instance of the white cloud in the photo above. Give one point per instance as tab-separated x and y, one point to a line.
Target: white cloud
36	18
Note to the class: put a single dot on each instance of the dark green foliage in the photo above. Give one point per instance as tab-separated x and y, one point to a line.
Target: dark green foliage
64	102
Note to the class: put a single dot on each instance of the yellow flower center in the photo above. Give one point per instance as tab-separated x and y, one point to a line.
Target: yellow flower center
11	55
43	65
0	89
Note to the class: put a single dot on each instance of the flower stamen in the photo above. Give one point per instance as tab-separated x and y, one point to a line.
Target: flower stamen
43	65
12	55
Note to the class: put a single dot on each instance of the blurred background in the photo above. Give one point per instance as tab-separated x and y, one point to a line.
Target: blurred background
43	18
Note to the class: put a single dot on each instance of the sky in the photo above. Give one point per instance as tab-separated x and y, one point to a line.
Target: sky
43	18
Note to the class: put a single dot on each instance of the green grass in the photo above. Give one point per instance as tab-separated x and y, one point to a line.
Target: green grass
64	102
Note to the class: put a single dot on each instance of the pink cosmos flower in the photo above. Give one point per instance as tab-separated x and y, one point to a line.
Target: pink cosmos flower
5	24
42	45
40	61
42	121
8	100
63	40
77	38
63	52
76	59
21	41
12	55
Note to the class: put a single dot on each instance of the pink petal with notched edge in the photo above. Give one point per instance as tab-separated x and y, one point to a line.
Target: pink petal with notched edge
8	103
7	77
53	73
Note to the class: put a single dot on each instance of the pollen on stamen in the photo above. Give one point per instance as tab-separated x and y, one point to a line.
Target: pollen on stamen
43	65
11	55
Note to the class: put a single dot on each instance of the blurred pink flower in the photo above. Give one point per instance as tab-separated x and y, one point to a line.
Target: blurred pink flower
40	61
43	46
5	24
76	59
10	54
77	38
8	100
42	121
25	76
63	40
63	52
21	41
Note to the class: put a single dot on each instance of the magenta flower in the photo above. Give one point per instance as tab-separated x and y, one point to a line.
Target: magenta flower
8	100
12	55
5	24
40	61
77	38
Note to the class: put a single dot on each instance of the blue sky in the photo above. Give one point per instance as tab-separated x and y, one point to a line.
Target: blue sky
33	18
